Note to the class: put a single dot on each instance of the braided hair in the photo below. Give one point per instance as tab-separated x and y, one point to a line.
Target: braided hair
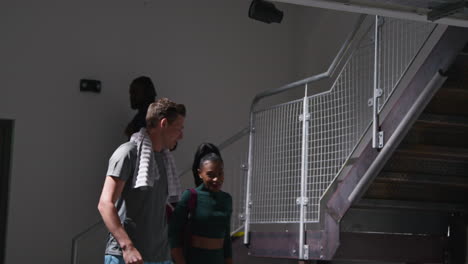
205	152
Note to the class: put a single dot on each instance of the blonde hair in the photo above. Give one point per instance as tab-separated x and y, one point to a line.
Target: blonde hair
163	108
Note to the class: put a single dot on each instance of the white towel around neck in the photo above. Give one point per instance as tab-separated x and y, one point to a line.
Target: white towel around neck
146	171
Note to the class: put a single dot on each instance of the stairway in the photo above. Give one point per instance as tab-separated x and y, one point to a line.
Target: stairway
431	164
406	202
417	206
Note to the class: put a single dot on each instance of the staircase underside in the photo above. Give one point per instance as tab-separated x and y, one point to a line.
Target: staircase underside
421	195
449	12
417	204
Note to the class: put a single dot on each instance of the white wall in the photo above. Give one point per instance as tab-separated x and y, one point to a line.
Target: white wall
319	34
206	54
317	37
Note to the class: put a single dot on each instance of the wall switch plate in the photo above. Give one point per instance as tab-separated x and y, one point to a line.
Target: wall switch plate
87	85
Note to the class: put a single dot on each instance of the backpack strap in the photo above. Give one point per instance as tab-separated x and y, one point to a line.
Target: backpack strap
186	231
192	202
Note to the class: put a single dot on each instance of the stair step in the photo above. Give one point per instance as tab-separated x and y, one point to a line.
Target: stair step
450	101
417	178
438	134
421	165
458	72
434	152
417	192
374	247
410	185
443	120
409	205
460	84
464	50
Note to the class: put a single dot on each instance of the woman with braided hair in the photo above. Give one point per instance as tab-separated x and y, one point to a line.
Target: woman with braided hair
210	240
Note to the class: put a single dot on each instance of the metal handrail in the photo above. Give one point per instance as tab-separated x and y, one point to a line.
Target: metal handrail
74	253
226	143
331	69
418	106
286	134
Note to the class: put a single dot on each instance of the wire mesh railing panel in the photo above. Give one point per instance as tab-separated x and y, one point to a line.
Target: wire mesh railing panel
235	174
400	42
277	165
338	120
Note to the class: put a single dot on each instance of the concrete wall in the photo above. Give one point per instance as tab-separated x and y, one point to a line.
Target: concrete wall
206	54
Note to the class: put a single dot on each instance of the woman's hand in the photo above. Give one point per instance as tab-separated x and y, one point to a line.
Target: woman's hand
178	256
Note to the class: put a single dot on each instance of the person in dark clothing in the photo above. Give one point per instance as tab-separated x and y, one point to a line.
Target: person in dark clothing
142	94
210	239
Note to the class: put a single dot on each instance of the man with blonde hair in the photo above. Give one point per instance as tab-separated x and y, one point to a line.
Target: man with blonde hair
140	180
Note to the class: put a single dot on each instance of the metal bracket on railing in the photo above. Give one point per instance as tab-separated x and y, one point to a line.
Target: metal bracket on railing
381	139
378	92
381	21
242	217
307	117
244	167
302	201
305	252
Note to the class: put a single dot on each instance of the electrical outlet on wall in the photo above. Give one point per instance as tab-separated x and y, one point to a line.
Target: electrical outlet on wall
87	85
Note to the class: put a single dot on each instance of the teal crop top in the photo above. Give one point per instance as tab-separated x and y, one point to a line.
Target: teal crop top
211	219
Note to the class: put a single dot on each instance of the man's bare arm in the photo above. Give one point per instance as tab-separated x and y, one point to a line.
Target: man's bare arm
111	191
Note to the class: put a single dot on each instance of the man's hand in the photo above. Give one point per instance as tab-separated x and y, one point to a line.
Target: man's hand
131	255
110	193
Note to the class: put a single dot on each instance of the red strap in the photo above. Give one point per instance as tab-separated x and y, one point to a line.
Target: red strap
192	203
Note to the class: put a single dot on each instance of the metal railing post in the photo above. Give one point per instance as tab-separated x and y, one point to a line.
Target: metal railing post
75	239
303	200
249	176
377	135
